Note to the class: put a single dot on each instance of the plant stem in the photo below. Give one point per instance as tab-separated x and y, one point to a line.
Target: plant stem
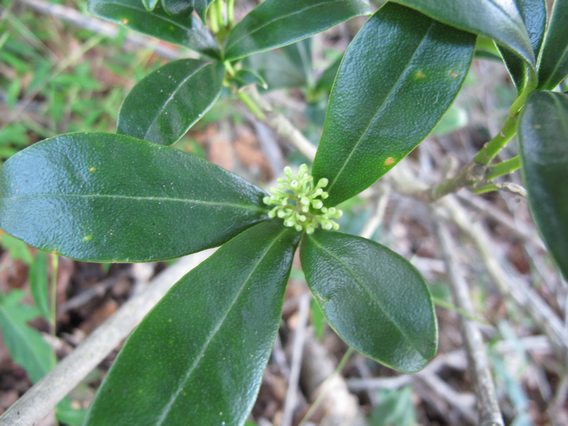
53	297
251	105
213	18
218	5
495	145
504	168
230	13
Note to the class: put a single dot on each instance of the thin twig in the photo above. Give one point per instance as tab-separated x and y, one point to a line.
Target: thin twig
524	296
488	405
297	353
38	402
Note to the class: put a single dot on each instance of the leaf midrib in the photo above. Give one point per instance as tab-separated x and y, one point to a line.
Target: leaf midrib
380	108
278	18
136	198
371	296
200	356
171	97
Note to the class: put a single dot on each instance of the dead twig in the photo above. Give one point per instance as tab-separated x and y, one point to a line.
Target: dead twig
297	353
488	405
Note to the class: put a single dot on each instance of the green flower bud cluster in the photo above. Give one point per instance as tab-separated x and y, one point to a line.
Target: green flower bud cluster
299	202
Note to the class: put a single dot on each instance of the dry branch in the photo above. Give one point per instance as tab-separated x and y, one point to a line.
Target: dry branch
488	405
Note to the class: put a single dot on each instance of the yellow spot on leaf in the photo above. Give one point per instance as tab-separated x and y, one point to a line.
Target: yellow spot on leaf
419	75
124	21
87	238
453	74
92	169
389	161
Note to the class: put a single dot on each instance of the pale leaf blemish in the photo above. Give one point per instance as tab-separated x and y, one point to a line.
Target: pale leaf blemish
389	161
419	75
124	21
88	238
92	169
453	74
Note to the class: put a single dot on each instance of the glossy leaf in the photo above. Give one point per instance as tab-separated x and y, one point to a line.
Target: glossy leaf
496	19
112	198
163	106
39	284
187	31
198	357
26	346
543	132
397	79
373	298
533	13
276	23
553	64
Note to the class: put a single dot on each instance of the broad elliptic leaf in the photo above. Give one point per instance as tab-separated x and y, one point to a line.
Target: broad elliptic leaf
276	23
533	13
373	298
163	106
26	346
397	79
112	198
198	357
553	64
543	132
183	30
496	19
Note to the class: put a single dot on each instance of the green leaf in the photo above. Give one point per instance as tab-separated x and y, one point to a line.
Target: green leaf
245	77
178	7
276	23
187	31
69	415
543	133
395	408
150	5
496	19
198	357
553	64
18	249
112	198
373	298
397	79
454	119
200	6
26	346
325	81
39	284
286	68
163	106
533	13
